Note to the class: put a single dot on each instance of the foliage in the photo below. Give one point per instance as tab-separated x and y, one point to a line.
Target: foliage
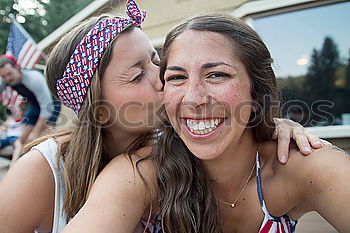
40	20
323	94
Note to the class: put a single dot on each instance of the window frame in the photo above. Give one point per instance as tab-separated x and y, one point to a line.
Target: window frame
251	10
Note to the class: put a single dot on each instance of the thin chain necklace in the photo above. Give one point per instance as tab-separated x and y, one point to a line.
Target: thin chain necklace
233	204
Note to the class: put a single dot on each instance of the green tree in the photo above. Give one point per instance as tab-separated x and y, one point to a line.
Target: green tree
5	10
39	21
321	78
321	74
347	74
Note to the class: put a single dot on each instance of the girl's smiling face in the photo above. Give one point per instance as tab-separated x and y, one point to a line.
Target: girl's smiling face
207	92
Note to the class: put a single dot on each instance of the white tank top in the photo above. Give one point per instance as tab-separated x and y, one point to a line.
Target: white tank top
49	149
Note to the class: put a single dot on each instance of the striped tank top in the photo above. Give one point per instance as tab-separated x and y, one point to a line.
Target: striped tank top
271	224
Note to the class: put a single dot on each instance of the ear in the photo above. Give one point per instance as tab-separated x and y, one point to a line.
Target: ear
103	114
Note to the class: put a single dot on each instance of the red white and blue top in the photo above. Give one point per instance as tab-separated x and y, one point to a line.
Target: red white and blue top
270	224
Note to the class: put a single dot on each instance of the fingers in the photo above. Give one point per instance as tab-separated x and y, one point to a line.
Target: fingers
283	146
314	140
325	143
275	134
300	137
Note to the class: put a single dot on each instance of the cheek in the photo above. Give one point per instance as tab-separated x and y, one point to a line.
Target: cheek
237	100
172	98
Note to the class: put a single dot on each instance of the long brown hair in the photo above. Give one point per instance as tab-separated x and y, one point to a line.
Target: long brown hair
187	201
84	147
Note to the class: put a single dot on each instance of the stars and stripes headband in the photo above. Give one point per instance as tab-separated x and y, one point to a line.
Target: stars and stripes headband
76	79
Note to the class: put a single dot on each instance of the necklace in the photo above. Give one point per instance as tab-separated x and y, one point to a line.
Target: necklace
233	204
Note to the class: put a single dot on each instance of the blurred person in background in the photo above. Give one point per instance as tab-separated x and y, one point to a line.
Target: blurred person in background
41	111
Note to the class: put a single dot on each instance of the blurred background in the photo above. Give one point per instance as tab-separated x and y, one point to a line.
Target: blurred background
309	41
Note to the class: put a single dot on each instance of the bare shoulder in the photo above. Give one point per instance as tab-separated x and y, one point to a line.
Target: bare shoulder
135	170
120	196
31	171
24	193
321	182
303	175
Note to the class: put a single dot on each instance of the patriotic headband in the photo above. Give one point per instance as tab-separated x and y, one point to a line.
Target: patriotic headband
76	79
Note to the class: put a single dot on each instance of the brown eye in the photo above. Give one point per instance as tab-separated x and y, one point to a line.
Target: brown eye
175	78
218	75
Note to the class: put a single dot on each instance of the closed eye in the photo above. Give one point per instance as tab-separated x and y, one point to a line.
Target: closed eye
138	77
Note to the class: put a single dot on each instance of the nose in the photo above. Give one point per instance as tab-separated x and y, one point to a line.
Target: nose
154	79
196	94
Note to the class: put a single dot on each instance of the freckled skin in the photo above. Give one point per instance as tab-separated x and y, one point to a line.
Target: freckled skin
230	97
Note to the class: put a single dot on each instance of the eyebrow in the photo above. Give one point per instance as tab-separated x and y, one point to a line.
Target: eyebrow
214	64
136	64
176	68
204	66
154	53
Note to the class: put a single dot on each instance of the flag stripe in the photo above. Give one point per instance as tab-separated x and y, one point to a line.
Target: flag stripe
30	57
24	51
35	58
22	46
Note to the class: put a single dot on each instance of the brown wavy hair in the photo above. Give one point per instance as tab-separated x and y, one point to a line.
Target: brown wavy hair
84	147
187	201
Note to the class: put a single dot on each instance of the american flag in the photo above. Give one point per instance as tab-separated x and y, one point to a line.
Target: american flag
10	97
21	45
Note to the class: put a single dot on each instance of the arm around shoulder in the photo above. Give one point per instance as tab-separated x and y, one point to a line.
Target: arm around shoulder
117	200
25	200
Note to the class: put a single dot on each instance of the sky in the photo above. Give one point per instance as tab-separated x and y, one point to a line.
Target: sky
291	37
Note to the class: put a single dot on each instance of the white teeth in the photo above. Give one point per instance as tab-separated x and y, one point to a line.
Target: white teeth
194	125
207	124
202	127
